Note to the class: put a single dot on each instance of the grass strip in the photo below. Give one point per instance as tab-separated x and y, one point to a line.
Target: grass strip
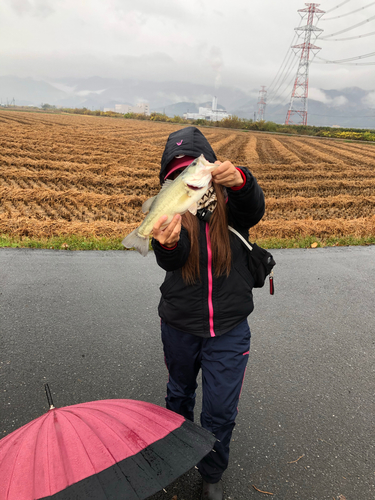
308	241
62	242
95	243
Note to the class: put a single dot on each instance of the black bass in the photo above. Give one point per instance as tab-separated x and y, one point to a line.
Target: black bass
175	197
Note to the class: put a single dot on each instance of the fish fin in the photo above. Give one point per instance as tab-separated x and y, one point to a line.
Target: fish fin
134	240
193	208
147	205
166	184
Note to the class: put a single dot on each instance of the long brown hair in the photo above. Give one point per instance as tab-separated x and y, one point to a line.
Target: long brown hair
219	235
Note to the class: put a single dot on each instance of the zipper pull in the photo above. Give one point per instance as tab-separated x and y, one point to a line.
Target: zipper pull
272	286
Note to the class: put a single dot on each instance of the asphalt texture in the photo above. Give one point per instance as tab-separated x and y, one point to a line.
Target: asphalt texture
86	323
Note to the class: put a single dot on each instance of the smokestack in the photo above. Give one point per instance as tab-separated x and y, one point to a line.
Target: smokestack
214	103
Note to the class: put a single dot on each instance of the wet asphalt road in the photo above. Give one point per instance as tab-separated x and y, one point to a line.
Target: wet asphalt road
86	323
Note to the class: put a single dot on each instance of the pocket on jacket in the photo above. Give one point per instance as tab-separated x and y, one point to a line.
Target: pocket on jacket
168	283
246	275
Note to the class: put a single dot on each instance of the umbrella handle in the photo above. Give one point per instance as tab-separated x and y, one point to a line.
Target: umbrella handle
49	397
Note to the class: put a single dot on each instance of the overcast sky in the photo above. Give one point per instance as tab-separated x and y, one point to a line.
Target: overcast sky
217	42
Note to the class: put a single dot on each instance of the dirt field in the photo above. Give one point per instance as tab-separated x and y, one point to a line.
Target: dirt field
84	175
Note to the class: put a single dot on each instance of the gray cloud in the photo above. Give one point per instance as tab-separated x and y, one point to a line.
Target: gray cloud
37	8
151	8
211	42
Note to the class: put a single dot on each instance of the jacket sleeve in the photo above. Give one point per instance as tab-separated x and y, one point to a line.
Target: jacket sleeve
246	206
171	259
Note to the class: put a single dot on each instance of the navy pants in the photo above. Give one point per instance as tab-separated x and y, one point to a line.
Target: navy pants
223	362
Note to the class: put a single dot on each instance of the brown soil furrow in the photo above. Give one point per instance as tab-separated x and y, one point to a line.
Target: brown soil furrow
65	174
307	168
302	157
84	179
307	153
271	151
339	152
266	152
251	155
234	151
23	226
316	175
283	153
360	227
139	136
341	202
17	119
367	149
33	227
316	188
222	143
316	213
71	196
137	167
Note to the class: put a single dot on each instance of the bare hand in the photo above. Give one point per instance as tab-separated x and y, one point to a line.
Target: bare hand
227	175
169	235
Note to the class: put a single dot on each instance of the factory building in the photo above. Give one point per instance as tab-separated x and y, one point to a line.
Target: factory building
212	114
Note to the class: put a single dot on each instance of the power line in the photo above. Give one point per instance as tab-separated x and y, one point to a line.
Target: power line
349	38
348	29
287	55
349	60
348	13
287	88
274	93
283	65
346	64
342	61
337	6
288	85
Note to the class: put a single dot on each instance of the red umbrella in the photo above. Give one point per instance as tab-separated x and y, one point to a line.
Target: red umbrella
110	449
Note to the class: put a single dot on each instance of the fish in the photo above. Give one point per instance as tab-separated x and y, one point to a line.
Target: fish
175	197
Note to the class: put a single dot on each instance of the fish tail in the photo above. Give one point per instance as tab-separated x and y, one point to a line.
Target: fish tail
134	240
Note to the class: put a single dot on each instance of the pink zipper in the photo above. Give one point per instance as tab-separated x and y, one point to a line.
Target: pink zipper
209	273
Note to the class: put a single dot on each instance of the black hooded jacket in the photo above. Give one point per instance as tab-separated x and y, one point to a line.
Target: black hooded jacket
188	141
211	306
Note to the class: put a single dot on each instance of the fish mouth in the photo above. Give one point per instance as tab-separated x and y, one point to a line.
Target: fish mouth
194	188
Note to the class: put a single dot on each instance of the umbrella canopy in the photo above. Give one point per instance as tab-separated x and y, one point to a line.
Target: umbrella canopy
110	449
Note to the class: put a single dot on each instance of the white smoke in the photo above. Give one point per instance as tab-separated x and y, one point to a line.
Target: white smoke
215	60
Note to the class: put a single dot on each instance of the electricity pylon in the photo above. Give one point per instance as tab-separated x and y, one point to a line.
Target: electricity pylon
298	100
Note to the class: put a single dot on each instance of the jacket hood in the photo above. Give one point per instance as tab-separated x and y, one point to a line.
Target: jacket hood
188	141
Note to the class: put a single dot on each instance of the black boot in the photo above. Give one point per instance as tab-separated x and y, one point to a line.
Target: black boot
212	491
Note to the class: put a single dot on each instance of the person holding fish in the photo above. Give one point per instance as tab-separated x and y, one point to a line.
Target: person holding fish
206	296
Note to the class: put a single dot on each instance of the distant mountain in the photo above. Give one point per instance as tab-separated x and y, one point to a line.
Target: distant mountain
26	91
97	92
350	107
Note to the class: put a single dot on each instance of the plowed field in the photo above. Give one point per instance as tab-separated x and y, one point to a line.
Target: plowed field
84	175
